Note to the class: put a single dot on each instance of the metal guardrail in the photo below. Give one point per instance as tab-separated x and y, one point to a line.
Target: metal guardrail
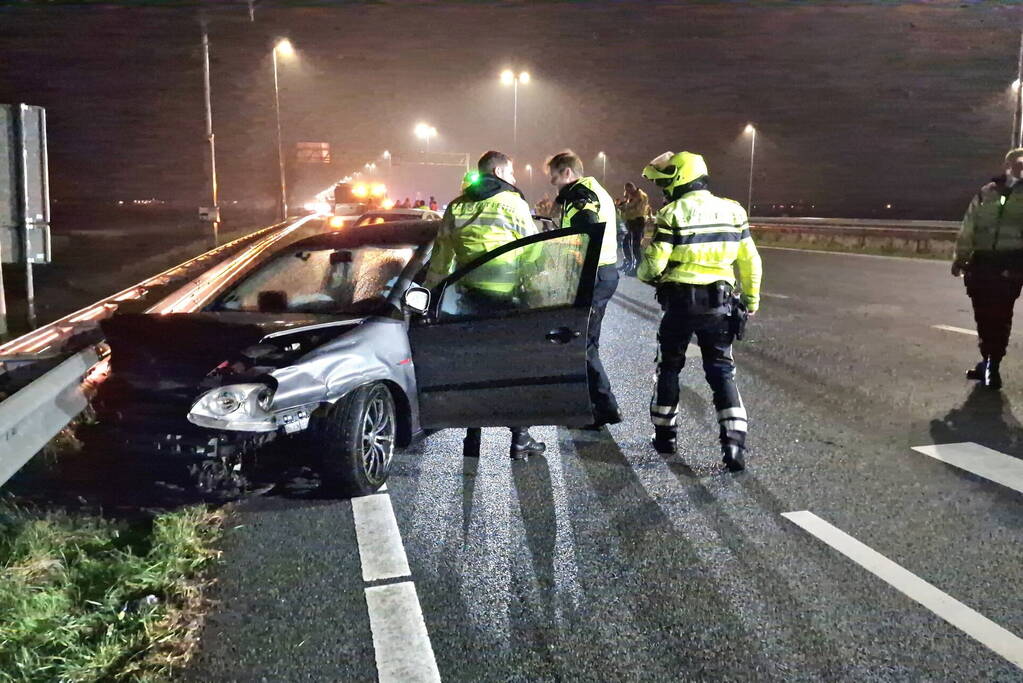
856	223
864	229
37	412
48	340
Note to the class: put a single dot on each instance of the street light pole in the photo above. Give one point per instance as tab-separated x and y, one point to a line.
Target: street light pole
752	151
603	171
515	114
509	77
280	143
1017	119
215	223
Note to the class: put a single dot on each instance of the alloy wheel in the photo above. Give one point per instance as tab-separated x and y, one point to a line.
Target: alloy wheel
378	429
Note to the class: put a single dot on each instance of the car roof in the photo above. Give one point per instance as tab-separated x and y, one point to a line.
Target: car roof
401	212
394	233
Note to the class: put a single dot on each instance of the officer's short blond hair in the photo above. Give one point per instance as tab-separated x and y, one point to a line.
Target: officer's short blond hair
563	160
491	161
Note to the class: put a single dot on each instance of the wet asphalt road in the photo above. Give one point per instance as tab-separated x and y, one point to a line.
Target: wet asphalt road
607	561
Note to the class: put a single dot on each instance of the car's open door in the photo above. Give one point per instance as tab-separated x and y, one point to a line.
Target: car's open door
514	358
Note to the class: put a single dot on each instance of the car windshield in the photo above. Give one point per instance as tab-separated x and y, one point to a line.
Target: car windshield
329	281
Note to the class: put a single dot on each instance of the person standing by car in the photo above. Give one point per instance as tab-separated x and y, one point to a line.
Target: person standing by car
635	209
989	252
583	202
490	213
699	239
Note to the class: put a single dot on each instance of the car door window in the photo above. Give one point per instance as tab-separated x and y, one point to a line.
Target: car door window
534	276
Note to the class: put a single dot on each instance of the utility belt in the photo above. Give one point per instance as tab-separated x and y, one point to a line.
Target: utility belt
1003	263
699	299
717	298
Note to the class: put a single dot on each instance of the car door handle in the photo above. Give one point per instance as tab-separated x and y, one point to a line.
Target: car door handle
562	335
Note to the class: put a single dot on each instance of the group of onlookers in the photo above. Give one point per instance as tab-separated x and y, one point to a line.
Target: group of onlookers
407	203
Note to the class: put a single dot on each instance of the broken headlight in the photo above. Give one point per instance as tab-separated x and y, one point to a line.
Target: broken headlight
244	407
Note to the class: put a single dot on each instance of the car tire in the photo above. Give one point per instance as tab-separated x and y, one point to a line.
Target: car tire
357	440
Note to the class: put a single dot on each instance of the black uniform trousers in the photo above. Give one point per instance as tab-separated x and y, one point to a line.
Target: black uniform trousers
605	406
993	292
634	242
689	311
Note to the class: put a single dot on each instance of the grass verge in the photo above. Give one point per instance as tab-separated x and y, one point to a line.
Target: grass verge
83	598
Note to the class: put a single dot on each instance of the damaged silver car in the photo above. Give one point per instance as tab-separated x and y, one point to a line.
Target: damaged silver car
330	342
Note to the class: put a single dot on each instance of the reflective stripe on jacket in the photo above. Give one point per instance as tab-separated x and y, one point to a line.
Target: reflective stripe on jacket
490	214
585	202
701	239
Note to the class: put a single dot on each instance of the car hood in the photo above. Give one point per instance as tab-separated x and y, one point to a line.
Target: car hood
181	349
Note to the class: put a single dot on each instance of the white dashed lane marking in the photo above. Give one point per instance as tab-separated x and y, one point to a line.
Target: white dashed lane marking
984	462
380	546
950	328
770	295
401	642
967	620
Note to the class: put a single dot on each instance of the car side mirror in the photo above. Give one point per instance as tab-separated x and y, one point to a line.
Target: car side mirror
416	300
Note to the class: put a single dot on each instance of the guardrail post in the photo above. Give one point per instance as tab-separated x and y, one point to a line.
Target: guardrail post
3	303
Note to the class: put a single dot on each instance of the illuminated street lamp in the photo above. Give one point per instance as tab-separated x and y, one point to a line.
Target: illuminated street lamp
425	131
285	49
752	132
1017	104
1017	110
508	77
529	170
603	172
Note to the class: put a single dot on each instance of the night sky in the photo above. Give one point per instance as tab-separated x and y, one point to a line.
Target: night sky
858	104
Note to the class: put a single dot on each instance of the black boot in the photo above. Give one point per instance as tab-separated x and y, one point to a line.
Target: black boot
986	372
994	377
664	441
524	445
977	372
734	457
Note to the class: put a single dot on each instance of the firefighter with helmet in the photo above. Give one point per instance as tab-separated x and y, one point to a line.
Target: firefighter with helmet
699	242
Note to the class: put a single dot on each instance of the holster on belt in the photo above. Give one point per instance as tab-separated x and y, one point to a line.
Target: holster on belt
737	318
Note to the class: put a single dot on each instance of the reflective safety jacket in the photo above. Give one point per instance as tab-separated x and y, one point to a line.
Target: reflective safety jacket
490	214
992	229
585	202
701	239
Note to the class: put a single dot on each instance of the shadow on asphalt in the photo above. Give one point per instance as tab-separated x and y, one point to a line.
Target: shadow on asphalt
772	586
644	545
985	418
532	481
